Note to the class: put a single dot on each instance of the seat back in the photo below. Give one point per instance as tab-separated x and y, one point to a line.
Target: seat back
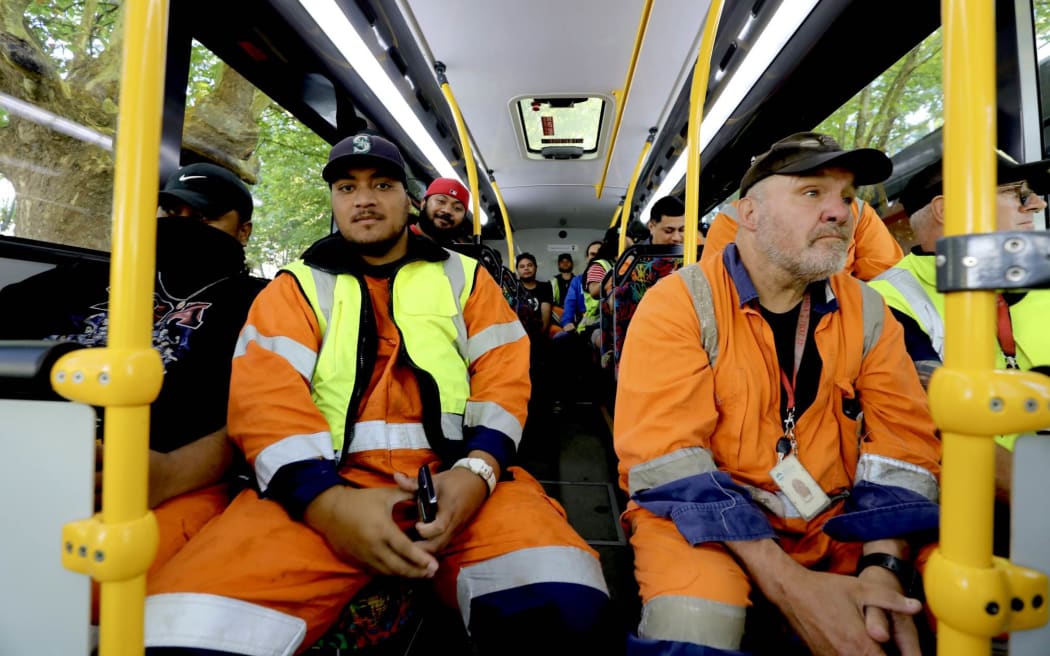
1030	527
47	481
638	269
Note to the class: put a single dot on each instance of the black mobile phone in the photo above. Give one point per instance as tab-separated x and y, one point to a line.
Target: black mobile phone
426	496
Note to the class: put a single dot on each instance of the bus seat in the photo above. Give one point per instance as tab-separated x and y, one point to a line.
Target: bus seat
381	619
638	269
47	479
1030	527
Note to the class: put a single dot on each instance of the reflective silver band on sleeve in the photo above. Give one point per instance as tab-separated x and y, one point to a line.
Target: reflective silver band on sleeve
676	465
300	357
890	471
492	415
380	436
294	448
493	337
452	425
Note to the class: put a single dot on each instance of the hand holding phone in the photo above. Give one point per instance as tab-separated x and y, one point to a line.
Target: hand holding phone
426	496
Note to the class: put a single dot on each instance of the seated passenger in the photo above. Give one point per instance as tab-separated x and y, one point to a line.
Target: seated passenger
667	221
910	288
439	379
872	249
200	300
576	299
541	294
560	283
739	436
444	214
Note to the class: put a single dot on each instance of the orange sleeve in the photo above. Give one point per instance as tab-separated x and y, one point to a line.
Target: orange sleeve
269	398
664	377
874	249
721	233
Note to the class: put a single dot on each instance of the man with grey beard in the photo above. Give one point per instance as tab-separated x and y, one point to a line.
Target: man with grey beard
772	434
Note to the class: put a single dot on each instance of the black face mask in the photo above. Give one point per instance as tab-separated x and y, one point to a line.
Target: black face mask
193	250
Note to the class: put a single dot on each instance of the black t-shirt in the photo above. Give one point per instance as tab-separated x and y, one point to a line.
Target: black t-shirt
542	293
785	327
196	322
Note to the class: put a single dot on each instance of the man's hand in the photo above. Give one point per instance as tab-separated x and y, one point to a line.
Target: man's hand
359	526
839	614
460	493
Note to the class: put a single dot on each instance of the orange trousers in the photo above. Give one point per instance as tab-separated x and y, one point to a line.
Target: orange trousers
254	552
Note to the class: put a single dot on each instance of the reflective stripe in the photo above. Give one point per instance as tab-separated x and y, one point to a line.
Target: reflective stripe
674	466
324	289
703	303
452	426
301	357
495	336
694	620
294	448
873	309
492	415
526	567
379	435
922	308
207	621
457	279
890	471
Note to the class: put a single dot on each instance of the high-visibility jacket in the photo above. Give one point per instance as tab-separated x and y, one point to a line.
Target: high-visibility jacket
452	332
696	442
911	288
872	249
593	314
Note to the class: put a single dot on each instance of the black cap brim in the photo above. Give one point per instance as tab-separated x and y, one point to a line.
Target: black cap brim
199	202
868	165
340	165
1036	174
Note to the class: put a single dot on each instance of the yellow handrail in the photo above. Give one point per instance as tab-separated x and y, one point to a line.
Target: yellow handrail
625	217
622	94
972	594
117	546
697	97
506	219
464	143
616	214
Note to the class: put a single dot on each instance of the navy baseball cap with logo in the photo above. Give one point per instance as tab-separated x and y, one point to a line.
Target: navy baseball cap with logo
364	151
209	189
806	152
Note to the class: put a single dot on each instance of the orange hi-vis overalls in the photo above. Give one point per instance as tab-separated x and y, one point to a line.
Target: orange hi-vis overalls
258	579
871	251
696	444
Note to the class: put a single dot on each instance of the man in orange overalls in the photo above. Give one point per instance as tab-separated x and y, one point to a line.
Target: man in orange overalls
771	430
375	354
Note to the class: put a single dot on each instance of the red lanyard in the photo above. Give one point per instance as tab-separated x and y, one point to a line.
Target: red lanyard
1006	332
801	333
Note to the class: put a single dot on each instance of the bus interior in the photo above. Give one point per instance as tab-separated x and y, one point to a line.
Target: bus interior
569	107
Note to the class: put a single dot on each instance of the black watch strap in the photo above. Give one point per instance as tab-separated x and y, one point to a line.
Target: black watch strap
902	569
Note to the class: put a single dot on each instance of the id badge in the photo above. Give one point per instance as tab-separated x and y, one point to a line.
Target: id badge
799	486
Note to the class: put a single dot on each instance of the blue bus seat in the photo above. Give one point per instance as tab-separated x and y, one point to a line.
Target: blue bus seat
638	269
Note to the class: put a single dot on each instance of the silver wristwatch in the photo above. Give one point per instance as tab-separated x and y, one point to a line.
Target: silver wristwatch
479	467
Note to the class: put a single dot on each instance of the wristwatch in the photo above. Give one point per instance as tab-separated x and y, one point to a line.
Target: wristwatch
909	578
479	467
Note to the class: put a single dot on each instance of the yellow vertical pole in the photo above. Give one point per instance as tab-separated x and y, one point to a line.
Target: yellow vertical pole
506	219
464	143
616	214
697	97
967	477
625	217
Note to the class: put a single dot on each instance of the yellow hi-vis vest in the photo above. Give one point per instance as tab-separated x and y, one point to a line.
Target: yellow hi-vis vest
592	306
428	300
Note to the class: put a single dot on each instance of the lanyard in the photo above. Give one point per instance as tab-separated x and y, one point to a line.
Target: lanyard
788	443
1005	332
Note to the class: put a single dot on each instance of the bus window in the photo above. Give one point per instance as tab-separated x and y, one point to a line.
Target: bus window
282	158
58	115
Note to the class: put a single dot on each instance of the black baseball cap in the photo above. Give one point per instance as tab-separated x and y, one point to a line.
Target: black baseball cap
564	256
209	189
365	150
928	183
805	152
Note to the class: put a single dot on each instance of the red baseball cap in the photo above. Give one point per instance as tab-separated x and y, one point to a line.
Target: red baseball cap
449	187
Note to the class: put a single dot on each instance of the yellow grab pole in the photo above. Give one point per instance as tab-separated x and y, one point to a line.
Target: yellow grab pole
622	94
506	219
625	221
973	595
464	143
125	376
697	97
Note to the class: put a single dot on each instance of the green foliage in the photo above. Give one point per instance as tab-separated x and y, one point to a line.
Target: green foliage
899	107
293	200
205	70
69	37
1042	22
